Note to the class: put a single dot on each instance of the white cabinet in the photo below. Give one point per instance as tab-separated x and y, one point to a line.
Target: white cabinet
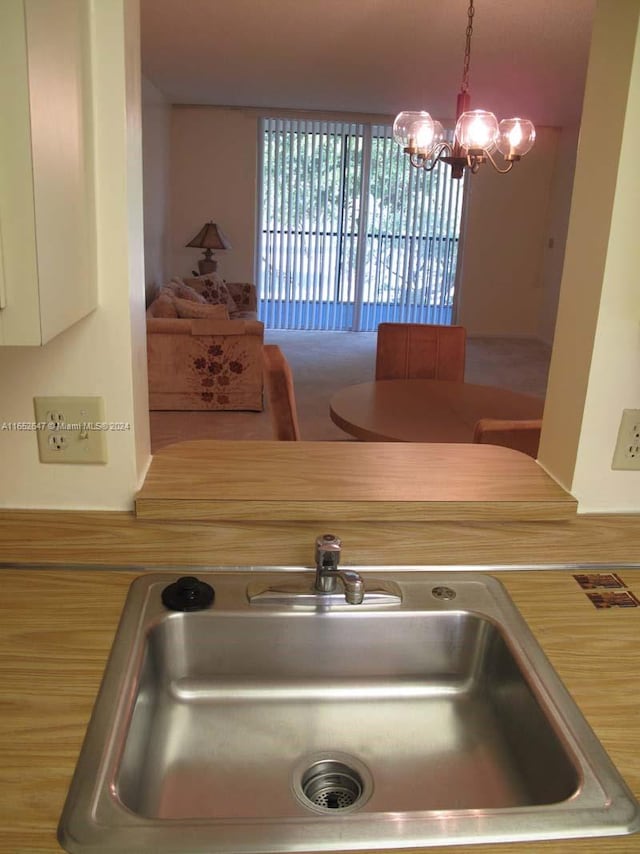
47	227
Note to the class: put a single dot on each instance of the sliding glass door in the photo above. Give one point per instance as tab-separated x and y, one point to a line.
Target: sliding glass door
349	234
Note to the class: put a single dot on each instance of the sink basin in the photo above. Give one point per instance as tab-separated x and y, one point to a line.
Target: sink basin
266	725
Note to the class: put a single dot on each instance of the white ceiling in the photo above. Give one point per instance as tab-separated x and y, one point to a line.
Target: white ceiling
374	56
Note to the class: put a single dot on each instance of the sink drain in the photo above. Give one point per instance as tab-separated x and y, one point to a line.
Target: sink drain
333	785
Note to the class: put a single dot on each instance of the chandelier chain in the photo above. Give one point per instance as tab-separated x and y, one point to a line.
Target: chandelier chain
467	49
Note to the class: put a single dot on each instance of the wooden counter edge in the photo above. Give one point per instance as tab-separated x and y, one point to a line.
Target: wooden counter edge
364	511
54	537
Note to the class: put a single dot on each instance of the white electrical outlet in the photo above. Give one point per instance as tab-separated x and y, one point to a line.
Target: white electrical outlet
70	429
627	453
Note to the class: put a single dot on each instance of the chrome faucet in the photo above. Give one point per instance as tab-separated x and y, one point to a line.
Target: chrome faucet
328	550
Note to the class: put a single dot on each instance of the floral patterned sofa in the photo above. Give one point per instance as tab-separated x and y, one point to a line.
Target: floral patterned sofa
201	356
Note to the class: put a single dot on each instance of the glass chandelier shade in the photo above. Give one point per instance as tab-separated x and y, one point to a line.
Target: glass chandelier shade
477	130
515	137
417	133
414	131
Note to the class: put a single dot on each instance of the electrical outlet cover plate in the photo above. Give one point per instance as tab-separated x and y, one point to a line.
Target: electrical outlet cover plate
70	429
627	452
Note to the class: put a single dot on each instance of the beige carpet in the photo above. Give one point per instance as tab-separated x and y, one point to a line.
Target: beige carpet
323	362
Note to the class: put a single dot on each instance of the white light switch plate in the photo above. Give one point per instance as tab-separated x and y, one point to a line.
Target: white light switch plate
70	429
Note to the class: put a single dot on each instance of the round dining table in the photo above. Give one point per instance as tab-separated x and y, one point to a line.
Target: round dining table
425	410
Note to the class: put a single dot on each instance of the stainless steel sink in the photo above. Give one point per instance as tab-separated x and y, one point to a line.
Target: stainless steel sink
312	725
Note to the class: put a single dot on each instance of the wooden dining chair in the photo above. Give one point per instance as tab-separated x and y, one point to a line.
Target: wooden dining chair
409	351
280	393
521	435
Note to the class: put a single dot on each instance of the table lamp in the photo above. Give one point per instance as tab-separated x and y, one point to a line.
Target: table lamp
209	237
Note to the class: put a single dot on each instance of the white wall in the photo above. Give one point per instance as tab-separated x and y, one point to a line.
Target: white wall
134	237
156	122
103	354
594	368
557	228
213	177
502	289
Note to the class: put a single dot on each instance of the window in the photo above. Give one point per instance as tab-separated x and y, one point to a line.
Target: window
349	233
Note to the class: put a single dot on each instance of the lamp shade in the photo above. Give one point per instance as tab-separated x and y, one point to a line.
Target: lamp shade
210	236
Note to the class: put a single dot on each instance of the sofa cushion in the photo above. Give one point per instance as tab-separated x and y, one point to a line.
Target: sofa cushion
190	309
183	291
244	295
163	306
166	293
214	290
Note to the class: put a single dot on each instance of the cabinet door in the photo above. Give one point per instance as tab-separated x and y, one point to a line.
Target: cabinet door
20	316
46	187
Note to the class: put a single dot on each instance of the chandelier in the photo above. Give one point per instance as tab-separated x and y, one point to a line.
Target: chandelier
477	135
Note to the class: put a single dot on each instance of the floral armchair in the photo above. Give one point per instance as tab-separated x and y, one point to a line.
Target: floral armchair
205	363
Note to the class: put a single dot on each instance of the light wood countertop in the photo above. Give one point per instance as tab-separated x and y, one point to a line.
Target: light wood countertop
348	481
56	629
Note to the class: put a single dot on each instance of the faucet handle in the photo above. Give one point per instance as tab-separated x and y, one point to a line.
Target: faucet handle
328	549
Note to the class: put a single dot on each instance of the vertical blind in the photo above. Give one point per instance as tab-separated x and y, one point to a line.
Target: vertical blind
349	233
